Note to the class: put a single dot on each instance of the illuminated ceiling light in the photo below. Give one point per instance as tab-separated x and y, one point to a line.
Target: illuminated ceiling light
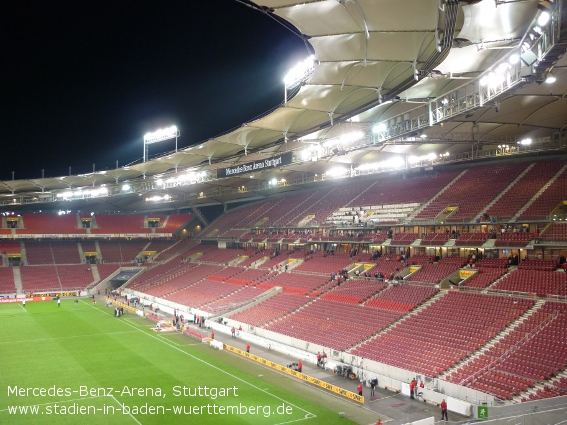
550	78
126	187
514	58
379	128
543	18
525	142
423	136
336	172
444	101
396	162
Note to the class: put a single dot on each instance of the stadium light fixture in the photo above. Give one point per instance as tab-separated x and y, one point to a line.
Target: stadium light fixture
159	136
298	74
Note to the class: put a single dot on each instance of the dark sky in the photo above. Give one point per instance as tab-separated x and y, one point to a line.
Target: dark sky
82	82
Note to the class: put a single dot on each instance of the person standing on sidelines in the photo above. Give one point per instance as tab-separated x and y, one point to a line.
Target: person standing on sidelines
247	347
444	410
359	388
58	301
24	303
299	366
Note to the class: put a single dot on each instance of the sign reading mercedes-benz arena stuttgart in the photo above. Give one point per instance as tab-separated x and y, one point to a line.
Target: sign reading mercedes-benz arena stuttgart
250	167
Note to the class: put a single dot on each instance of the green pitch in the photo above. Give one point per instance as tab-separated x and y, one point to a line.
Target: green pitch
78	364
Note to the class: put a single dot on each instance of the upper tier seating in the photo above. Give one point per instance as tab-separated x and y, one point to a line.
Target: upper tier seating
435	239
514	239
444	333
404	238
50	224
174	222
322	205
524	189
557	232
472	239
535	350
389	192
120	223
548	200
271	309
294	204
159	245
473	192
542	283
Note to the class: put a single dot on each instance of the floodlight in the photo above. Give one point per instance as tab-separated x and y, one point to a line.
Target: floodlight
514	58
126	187
159	136
299	72
550	78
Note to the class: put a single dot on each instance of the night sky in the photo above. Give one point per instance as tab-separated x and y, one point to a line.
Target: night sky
82	82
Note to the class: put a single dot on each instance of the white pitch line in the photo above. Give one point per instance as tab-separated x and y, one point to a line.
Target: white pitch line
122	406
65	337
307	416
222	371
23	308
60	401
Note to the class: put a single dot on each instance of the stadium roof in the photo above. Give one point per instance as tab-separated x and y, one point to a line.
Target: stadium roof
413	66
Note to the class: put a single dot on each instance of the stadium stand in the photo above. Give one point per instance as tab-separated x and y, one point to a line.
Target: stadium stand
445	332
